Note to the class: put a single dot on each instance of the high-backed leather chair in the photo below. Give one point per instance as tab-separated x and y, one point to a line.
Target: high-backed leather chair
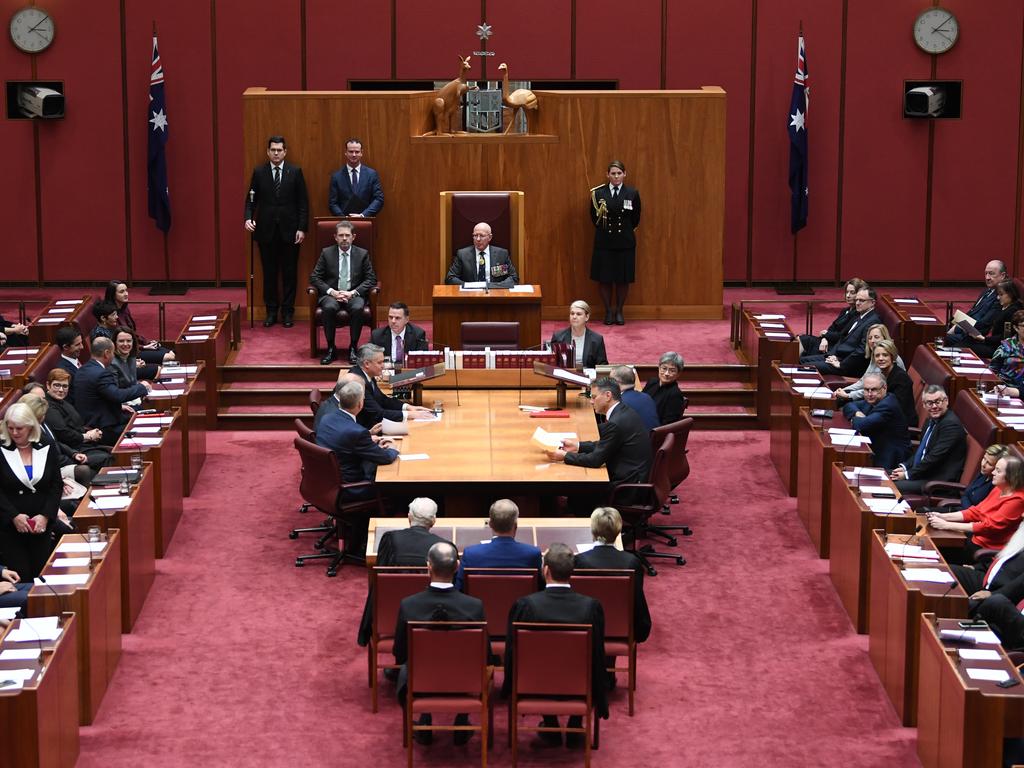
324	234
679	464
890	320
503	211
388	585
498	589
47	362
926	368
478	336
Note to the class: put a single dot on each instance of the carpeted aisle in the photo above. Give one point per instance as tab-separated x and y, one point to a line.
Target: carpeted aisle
241	659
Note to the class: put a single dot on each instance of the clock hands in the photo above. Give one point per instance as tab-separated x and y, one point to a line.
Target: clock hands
944	23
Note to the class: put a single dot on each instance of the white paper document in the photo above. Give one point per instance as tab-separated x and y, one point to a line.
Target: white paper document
806	382
789	370
42	628
196	337
1011	411
814	393
550	440
865	472
841	431
68	302
60	311
145	429
850	440
202	318
49	320
924	319
72	547
70	562
973	636
574	378
969	370
147	421
61	579
19	654
22	351
883	506
521	289
8	614
777	335
995	675
906	301
14	679
769	317
143	441
176	369
973	362
201	328
979	654
772	325
111	502
473	285
911	551
161	394
877	490
413	456
934	575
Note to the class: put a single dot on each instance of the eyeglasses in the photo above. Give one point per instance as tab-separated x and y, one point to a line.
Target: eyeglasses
874	389
668	368
55	385
935	403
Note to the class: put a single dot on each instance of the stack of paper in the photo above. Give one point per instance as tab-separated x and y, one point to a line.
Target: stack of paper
72	547
972	636
935	575
110	502
61	579
550	441
34	630
769	317
906	301
814	393
14	679
910	552
979	654
885	506
995	675
202	318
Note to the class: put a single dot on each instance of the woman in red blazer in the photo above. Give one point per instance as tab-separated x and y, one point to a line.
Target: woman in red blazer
992	522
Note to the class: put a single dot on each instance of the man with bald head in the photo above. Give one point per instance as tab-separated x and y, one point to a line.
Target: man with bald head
482	262
986	307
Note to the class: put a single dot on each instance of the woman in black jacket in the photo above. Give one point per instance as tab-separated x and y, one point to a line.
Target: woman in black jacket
665	391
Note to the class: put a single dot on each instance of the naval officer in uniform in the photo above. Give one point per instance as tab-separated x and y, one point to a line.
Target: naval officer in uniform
615	213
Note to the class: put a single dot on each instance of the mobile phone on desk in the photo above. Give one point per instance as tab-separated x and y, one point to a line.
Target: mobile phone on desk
972	624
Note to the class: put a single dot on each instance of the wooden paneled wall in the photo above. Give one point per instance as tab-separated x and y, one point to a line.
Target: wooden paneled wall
672	142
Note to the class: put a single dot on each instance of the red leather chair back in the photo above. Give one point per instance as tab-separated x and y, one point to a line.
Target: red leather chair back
926	368
363	229
613	589
320	476
890	320
47	361
470	208
678	463
304	431
8	397
477	336
316	397
552	659
499	590
982	431
447	657
389	586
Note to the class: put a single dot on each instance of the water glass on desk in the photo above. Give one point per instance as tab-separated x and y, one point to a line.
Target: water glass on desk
980	384
136	460
955	359
939	342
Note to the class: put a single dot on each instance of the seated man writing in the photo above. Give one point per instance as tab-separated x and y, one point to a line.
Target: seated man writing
482	263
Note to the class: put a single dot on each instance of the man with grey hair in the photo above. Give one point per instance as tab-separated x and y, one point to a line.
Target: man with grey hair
502	551
986	307
482	262
358	454
880	417
642	403
943	448
440	601
378	406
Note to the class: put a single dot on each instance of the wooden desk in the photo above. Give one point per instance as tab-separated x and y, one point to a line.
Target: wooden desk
960	721
785	419
852	523
817	455
452	307
209	345
895	606
1010	427
22	362
465	531
39	723
759	349
918	323
481	451
76	310
167	469
97	604
187	392
136	524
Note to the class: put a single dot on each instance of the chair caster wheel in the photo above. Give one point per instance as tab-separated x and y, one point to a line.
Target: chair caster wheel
680	561
332	572
687	531
299	563
673	499
651	571
672	543
293	534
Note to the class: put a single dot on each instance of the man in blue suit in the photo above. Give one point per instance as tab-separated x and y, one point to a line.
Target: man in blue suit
358	453
502	551
355	189
98	398
880	417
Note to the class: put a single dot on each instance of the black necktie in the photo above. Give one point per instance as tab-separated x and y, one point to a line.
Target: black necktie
481	272
615	192
277	180
355	179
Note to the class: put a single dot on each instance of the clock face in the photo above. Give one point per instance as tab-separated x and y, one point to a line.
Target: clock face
32	30
936	30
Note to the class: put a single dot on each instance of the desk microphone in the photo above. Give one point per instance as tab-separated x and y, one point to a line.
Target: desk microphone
61	606
534	348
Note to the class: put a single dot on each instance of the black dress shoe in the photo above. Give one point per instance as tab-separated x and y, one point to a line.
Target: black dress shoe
271	320
426	738
462	737
609	318
619	319
328	358
288	321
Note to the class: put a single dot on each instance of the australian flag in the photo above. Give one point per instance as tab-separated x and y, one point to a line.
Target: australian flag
798	140
156	168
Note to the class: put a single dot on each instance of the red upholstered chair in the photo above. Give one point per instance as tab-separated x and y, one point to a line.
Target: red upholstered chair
321	487
552	676
324	238
613	589
448	672
316	397
8	397
307	434
926	368
478	336
46	363
503	211
498	589
638	502
679	465
388	585
890	320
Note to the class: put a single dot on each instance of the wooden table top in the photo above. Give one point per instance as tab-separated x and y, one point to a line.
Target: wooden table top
487	439
444	293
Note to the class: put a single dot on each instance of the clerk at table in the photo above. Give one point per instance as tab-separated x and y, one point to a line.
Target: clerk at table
378	406
399	335
880	417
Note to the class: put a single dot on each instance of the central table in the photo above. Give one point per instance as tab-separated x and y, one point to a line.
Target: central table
481	450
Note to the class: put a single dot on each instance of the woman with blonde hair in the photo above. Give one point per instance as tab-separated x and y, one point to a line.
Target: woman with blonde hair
588	345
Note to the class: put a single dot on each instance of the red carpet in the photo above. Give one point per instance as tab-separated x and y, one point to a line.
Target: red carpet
241	659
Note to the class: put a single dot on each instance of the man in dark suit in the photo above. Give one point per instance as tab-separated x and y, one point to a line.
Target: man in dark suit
358	452
559	604
440	601
502	551
482	262
986	307
880	417
343	277
98	398
14	334
69	339
615	214
812	345
943	448
852	343
400	336
605	527
641	402
998	607
405	546
277	213
355	189
625	444
369	364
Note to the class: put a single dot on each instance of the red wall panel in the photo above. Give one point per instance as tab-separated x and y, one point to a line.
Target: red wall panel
184	41
777	27
612	45
696	32
974	181
81	157
886	168
18	195
258	44
430	38
532	36
337	52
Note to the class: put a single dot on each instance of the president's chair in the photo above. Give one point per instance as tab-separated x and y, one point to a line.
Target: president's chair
482	335
503	211
324	238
